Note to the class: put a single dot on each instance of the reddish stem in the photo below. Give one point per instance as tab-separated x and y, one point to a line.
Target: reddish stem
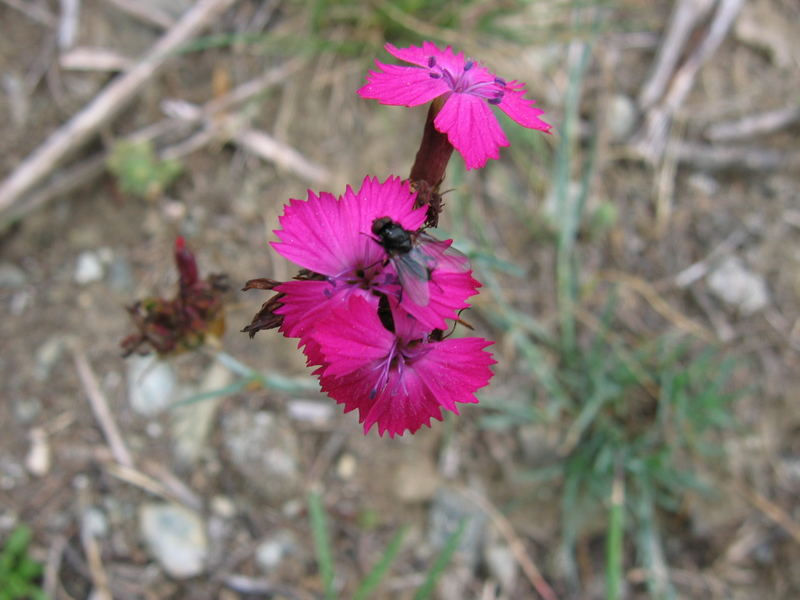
430	164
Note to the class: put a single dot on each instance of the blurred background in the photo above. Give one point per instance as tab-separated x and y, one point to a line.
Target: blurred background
641	271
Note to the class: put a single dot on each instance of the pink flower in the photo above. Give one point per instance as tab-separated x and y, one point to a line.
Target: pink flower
333	237
467	87
401	379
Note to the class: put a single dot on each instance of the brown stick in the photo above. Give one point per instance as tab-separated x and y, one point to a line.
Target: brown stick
685	15
101	411
756	124
86	170
650	140
106	104
148	12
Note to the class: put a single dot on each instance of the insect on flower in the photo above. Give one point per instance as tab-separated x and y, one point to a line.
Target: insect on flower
415	255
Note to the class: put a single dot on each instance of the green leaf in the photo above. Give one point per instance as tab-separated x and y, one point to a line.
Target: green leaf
381	568
322	543
441	562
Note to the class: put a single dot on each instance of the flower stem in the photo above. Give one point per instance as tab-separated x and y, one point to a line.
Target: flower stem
430	165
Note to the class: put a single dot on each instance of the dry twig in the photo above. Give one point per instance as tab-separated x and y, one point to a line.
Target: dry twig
96	571
90	168
147	12
33	12
54	554
100	409
685	16
706	156
698	270
81	127
757	124
651	139
68	23
83	58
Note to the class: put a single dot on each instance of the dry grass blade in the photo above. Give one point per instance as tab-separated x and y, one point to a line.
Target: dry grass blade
771	510
81	127
515	544
660	305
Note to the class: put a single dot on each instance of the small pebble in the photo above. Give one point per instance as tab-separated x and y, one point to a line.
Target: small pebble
88	268
737	286
38	460
11	276
176	538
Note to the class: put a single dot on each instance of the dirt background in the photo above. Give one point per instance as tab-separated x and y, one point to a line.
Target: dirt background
70	267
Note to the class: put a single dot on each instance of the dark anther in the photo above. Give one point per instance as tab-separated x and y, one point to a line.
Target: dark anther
468	65
496	100
431	61
500	81
435	75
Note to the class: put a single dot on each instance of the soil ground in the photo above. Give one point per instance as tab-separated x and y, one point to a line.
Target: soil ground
740	540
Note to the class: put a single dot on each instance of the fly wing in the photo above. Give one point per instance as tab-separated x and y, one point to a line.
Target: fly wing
441	254
414	275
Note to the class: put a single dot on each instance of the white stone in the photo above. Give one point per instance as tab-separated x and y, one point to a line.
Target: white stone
88	268
38	460
734	284
621	117
151	383
176	538
271	552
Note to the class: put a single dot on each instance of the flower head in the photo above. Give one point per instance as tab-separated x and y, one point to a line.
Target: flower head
332	237
398	379
184	322
467	88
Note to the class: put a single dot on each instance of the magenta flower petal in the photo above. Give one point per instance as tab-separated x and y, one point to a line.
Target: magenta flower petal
352	337
421	56
392	198
404	86
518	107
449	291
471	128
306	302
398	380
318	236
333	236
467	89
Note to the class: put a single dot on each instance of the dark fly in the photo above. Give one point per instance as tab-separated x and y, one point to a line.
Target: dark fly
415	255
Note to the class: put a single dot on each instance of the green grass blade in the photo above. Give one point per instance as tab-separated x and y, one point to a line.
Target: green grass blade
381	568
614	539
322	543
650	548
236	386
439	565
